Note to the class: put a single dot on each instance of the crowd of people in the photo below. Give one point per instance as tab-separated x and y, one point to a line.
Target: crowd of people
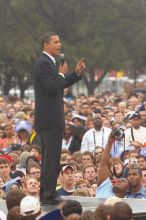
103	153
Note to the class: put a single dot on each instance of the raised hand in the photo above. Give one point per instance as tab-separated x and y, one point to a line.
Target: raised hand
80	66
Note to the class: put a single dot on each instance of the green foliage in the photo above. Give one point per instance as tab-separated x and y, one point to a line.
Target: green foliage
108	33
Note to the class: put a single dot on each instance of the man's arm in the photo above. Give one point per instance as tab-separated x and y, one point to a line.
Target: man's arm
105	162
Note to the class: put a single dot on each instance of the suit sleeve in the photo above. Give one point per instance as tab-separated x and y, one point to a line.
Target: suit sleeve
52	82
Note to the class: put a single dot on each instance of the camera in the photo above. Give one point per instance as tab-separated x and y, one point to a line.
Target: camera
118	133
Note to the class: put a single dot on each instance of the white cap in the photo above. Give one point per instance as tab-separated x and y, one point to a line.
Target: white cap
29	205
79	117
2	216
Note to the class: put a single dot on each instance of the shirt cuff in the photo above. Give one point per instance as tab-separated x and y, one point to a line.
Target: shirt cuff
61	74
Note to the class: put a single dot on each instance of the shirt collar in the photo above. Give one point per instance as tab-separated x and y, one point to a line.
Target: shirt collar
51	57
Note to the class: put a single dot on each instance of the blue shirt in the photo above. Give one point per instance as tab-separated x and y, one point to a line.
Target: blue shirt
105	190
137	195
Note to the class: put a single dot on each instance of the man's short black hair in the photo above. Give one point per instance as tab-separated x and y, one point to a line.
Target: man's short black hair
70	207
46	38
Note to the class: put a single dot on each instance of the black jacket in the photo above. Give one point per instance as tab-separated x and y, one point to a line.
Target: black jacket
49	85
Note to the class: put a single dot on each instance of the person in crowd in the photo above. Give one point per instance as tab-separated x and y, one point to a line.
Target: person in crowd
82	184
78	175
87	215
1	132
90	173
89	123
32	187
8	137
70	207
30	208
118	116
23	129
102	212
105	188
98	154
68	135
5	169
35	150
14	213
96	136
133	100
75	144
87	157
66	154
92	190
141	161
143	170
14	197
122	107
34	171
124	212
23	159
135	136
78	120
137	190
68	174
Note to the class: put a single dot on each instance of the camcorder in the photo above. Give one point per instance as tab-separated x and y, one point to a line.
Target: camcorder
118	133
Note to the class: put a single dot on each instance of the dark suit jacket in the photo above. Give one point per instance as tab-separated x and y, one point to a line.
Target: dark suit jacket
49	85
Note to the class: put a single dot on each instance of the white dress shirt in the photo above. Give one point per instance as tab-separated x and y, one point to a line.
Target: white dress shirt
93	138
139	135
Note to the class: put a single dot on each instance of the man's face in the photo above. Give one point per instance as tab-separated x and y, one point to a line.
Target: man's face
34	152
141	162
144	178
98	123
53	46
121	185
85	109
5	170
68	176
143	116
35	173
86	159
90	174
134	177
119	117
32	186
136	122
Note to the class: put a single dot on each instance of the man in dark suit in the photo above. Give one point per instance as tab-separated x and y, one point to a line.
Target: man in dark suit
49	111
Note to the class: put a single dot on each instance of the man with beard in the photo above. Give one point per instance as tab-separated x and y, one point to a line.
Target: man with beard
107	187
97	136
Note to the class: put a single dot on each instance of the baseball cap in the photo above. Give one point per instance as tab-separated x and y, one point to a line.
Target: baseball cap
29	206
83	118
67	166
134	115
